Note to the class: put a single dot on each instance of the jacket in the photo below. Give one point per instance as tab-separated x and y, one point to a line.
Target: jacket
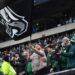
70	55
7	69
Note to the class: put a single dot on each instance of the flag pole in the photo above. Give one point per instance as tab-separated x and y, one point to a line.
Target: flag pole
30	38
31	20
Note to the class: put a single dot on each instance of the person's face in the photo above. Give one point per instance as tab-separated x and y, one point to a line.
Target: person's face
49	49
16	57
66	42
5	52
25	53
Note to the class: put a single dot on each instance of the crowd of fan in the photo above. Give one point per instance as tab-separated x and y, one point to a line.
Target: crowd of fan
42	57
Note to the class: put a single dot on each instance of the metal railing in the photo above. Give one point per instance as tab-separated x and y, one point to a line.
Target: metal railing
65	72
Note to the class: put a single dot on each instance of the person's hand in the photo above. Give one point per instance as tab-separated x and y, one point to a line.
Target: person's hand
51	70
12	58
16	58
60	52
32	46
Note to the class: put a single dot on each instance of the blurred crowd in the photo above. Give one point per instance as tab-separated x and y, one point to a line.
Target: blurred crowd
40	57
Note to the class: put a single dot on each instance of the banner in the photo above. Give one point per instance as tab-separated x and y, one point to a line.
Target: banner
15	15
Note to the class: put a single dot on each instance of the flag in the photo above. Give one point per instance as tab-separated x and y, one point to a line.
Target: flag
15	15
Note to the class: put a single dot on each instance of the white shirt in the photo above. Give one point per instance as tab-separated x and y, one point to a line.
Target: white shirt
37	63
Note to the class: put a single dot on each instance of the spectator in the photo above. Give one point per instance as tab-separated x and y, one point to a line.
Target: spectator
70	55
38	60
6	68
65	48
25	58
52	59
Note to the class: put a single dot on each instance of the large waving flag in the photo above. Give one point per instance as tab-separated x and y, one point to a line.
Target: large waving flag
15	15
